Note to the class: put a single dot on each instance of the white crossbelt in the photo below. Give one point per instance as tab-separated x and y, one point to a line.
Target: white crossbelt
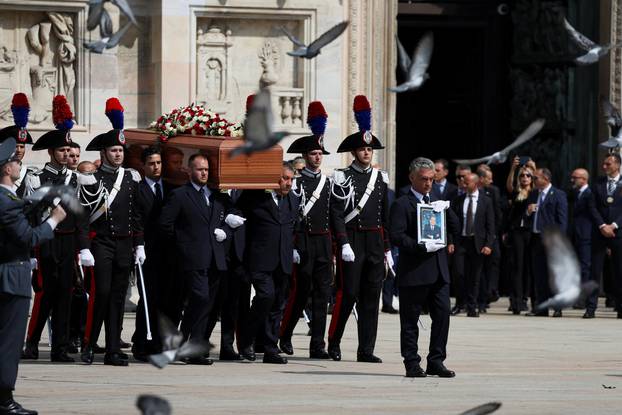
314	196
368	191
108	202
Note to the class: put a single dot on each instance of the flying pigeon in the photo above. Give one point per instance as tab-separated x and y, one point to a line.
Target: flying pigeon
258	132
96	9
614	121
501	156
564	272
404	60
592	51
417	70
484	409
108	43
174	346
315	47
49	196
153	405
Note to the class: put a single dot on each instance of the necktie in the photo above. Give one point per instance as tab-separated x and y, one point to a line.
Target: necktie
426	199
469	218
202	191
158	192
611	186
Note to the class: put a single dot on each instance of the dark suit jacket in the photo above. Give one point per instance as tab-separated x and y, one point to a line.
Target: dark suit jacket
582	225
449	192
151	211
17	238
269	232
236	244
484	224
494	194
416	266
603	212
187	217
553	211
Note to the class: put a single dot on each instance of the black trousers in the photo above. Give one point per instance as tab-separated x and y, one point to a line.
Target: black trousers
227	305
312	276
539	270
266	309
201	287
489	282
53	282
473	263
519	276
13	319
359	282
154	271
110	278
412	299
599	251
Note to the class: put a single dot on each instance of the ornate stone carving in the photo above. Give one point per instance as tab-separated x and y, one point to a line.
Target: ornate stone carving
214	79
269	60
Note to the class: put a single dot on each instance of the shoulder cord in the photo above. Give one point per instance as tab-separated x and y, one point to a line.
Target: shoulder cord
346	195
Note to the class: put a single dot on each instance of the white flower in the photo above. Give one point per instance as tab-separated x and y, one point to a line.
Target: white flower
221	131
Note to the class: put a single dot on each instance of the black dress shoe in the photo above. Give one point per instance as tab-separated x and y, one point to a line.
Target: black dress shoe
334	352
87	355
441	371
12	407
248	353
124	345
140	356
123	355
229	355
456	310
318	354
472	313
30	352
72	348
206	361
537	314
619	314
589	314
557	313
114	359
274	358
61	357
515	311
286	347
415	371
389	310
368	358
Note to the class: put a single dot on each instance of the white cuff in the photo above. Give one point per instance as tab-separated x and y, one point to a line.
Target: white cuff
52	222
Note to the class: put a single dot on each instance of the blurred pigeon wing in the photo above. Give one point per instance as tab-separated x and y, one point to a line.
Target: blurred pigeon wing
291	37
472	161
126	9
257	127
161	360
487	408
192	349
116	38
564	269
533	129
580	39
153	405
171	337
96	8
105	25
422	56
611	113
327	37
401	88
404	59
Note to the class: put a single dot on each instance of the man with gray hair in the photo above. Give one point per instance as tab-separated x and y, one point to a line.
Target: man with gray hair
422	272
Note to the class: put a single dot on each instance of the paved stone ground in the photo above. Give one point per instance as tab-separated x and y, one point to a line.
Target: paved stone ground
533	365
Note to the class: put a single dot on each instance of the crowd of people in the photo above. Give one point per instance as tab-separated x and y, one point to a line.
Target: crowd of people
311	241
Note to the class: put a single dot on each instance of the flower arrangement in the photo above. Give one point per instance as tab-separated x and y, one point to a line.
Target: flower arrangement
195	120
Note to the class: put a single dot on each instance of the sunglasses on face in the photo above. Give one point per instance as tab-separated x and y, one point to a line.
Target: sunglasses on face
524	175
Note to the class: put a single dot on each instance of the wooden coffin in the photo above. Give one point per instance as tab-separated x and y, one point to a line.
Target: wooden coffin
258	171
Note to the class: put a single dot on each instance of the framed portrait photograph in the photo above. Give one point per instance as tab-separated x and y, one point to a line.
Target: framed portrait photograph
430	225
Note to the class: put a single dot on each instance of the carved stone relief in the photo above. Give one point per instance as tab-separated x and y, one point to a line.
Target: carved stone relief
38	57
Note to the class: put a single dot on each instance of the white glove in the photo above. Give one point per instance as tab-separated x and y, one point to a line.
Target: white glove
220	235
440	205
389	259
33	263
139	254
234	221
347	254
86	258
296	257
433	247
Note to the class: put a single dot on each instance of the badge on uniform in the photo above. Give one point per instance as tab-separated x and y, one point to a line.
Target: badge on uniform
609	199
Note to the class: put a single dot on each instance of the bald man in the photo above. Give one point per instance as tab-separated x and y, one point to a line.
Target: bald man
581	221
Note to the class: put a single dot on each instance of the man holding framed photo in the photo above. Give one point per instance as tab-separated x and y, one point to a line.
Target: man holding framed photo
422	271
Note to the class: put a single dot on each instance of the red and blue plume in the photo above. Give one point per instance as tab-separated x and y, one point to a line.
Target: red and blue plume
114	112
61	113
20	109
316	118
362	112
249	102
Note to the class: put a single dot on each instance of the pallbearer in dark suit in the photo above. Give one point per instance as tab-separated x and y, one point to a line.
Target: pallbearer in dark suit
17	238
152	191
606	211
271	220
477	234
442	188
117	244
364	246
313	239
581	225
549	208
194	215
54	277
422	274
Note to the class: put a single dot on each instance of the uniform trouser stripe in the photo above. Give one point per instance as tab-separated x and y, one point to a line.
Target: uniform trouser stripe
88	328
